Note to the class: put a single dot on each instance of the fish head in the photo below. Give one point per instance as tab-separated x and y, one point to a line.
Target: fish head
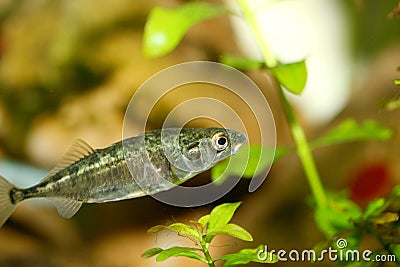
202	148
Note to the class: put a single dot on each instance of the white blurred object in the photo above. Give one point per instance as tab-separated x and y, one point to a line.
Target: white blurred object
315	30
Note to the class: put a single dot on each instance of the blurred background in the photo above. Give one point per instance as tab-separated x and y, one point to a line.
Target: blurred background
68	69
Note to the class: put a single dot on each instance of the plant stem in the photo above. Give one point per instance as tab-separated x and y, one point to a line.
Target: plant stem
204	246
269	57
303	148
304	152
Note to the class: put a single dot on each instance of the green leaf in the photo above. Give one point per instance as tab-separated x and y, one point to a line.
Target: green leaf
349	131
248	162
246	256
184	229
292	76
151	252
396	191
156	229
204	220
340	214
282	151
374	207
221	215
229	229
176	227
395	248
385	218
396	81
165	28
241	63
180	251
392	104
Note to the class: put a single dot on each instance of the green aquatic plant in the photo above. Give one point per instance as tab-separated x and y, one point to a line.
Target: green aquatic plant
335	214
202	232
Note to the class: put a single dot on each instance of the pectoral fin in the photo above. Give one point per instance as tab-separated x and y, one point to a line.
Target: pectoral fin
66	207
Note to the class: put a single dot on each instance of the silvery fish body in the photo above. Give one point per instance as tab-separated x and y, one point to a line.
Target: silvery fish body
149	163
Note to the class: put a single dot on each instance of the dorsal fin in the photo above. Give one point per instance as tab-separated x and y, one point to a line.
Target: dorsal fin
77	151
66	207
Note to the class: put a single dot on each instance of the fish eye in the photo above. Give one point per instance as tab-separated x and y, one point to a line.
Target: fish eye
220	141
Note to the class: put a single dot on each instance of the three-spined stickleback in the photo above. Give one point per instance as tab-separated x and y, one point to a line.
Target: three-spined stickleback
159	159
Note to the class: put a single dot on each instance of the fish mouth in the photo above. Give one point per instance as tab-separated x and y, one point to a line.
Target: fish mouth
238	139
236	148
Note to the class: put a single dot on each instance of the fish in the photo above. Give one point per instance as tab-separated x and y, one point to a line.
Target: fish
151	162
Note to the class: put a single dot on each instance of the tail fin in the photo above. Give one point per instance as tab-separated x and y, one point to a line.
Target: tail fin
6	206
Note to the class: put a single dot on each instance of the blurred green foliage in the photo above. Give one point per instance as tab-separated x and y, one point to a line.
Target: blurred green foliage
335	214
373	29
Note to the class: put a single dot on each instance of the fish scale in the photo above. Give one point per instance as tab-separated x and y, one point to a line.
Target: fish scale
133	167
